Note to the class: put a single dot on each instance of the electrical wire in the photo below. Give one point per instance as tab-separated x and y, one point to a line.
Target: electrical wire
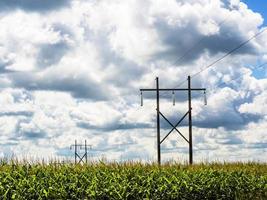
237	78
196	44
224	56
230	52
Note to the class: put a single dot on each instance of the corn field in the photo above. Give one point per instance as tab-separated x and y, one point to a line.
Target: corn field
133	181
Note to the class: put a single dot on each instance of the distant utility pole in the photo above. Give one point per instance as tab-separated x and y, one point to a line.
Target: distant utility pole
174	127
80	157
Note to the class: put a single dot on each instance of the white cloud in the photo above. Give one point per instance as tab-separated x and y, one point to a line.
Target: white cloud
79	68
257	106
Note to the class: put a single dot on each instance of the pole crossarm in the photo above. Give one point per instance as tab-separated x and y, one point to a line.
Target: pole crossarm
174	127
172	89
78	145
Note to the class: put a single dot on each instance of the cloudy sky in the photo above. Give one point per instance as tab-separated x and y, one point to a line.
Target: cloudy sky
72	69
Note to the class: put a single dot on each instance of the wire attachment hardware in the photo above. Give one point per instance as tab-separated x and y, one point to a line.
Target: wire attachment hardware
205	98
173	98
142	103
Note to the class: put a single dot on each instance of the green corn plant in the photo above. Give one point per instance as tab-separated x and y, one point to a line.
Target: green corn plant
133	181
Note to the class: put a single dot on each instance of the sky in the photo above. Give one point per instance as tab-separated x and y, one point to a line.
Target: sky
258	6
71	70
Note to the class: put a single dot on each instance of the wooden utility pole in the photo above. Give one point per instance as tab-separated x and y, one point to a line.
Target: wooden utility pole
158	122
190	122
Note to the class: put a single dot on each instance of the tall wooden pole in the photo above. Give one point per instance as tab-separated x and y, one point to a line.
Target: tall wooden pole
158	121
190	122
85	147
75	151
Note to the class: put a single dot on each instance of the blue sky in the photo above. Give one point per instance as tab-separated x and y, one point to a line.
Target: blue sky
72	69
259	6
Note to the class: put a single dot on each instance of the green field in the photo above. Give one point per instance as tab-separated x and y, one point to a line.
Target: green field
133	181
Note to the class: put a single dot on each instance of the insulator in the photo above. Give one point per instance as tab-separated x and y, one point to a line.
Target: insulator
173	98
205	98
141	98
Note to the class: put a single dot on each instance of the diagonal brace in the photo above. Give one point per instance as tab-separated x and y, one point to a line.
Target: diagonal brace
174	127
80	158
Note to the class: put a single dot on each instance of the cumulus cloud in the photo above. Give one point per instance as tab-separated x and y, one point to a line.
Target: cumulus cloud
33	5
257	106
51	54
76	74
80	86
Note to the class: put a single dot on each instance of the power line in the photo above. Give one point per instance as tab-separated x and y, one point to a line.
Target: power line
192	47
196	44
230	52
236	78
224	56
